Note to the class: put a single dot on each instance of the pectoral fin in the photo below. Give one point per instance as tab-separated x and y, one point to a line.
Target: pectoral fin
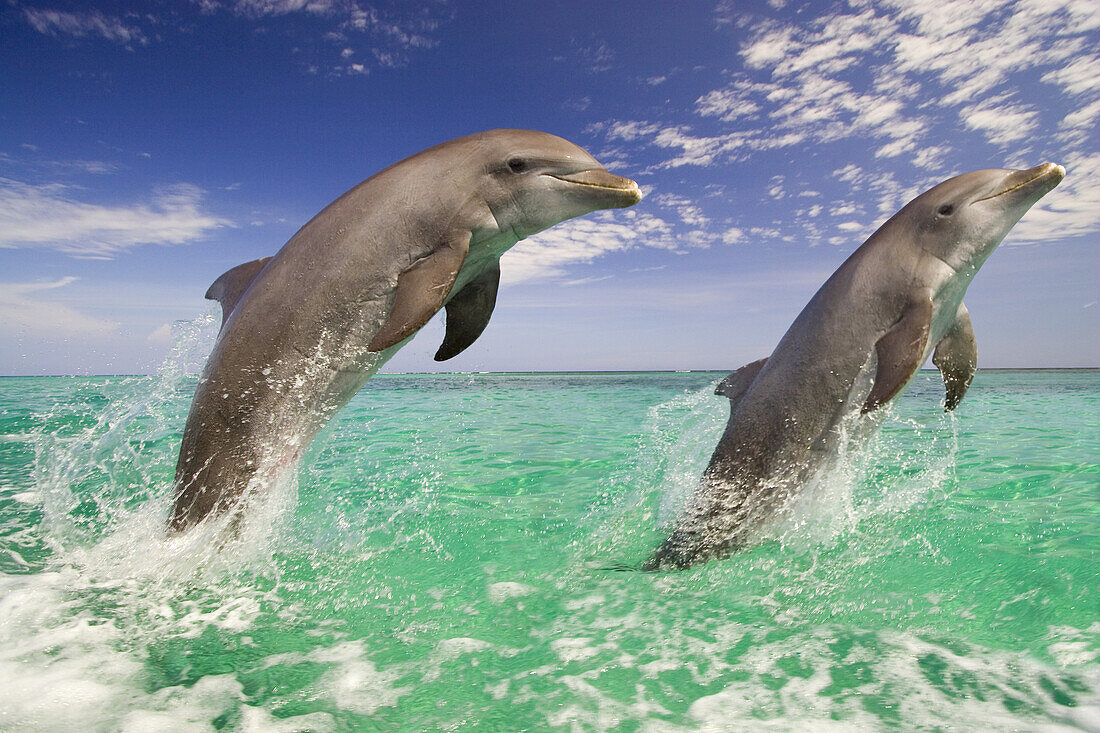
735	385
900	353
956	357
229	288
468	313
421	290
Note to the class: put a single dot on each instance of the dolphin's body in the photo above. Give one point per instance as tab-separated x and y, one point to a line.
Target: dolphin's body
303	330
854	347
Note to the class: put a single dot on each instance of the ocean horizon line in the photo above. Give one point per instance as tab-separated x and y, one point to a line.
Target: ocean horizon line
547	372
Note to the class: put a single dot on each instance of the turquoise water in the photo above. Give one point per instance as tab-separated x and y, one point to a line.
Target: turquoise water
441	562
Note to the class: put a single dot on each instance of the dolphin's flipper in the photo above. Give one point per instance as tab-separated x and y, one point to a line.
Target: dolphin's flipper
956	357
421	290
468	313
900	352
229	288
737	383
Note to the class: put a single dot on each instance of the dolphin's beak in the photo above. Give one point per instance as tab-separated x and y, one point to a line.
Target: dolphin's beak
600	178
1032	183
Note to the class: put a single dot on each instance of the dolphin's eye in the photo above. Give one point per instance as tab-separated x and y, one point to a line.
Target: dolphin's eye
946	210
517	165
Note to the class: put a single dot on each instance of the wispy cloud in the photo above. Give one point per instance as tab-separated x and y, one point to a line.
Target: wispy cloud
894	69
999	121
22	314
48	217
354	37
361	36
689	212
1071	210
581	241
900	83
80	25
27	160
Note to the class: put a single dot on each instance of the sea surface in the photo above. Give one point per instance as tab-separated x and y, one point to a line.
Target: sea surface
450	556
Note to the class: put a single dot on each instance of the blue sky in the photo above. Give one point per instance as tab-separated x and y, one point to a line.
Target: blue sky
147	147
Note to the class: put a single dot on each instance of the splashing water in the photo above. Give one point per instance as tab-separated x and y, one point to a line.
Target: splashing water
435	564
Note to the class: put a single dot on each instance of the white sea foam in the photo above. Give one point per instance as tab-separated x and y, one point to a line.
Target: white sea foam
64	667
357	686
500	592
797	682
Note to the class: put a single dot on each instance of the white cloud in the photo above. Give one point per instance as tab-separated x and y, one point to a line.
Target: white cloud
810	80
47	217
775	187
1072	209
582	241
261	8
769	49
1083	118
902	83
733	235
80	25
586	280
52	167
594	56
388	34
22	314
1078	77
97	167
1001	123
728	104
629	130
689	212
161	335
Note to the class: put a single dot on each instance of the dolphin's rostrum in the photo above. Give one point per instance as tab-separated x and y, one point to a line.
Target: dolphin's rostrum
304	329
854	347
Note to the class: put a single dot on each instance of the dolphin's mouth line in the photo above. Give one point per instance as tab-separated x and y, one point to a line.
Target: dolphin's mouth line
594	184
1042	174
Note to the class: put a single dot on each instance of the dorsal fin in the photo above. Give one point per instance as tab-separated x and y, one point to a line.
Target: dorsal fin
229	288
738	383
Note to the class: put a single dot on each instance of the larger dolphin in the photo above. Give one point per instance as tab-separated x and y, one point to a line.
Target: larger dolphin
853	348
303	330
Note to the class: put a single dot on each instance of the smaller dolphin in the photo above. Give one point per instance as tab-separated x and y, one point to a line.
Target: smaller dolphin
854	347
303	330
